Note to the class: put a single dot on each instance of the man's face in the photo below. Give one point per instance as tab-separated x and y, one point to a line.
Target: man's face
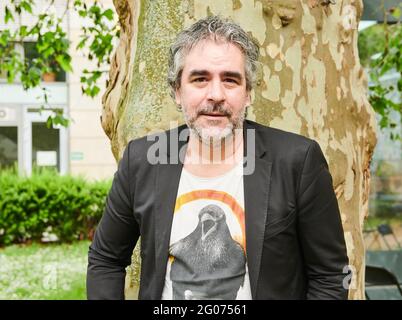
213	91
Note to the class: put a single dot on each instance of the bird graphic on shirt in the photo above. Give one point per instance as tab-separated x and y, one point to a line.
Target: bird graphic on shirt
208	263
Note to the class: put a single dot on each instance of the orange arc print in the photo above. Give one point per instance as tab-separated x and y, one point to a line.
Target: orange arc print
219	196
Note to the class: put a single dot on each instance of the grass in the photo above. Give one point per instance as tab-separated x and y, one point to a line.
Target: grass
39	271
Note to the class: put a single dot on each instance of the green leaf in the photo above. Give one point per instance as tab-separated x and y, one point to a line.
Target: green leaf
91	91
18	9
48	52
82	13
49	122
4	37
81	44
8	15
396	12
383	122
95	90
26	6
108	14
23	31
65	62
95	9
59	119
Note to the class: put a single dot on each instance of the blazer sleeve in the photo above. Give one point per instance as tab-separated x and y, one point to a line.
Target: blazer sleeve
320	229
115	238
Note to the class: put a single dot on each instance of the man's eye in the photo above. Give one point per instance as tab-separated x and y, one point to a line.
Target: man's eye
199	79
231	80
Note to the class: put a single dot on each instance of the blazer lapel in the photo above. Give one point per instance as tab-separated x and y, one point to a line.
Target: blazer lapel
256	196
166	187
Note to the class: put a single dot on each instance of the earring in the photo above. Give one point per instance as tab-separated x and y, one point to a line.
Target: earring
179	108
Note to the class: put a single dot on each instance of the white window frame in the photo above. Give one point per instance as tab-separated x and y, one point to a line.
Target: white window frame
30	117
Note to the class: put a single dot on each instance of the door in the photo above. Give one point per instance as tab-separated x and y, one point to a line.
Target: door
43	146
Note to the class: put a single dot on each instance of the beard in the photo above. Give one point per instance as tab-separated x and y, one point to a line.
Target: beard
212	134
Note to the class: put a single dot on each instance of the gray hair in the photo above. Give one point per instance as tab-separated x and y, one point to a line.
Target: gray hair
215	28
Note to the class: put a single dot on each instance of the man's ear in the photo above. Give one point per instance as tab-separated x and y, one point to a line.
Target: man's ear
177	96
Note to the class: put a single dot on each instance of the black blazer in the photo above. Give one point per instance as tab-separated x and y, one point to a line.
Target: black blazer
294	238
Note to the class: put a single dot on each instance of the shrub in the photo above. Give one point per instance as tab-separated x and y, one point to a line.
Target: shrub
69	207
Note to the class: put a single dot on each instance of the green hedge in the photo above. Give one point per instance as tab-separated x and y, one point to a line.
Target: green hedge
69	207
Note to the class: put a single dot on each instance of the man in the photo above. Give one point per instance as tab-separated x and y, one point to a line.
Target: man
209	229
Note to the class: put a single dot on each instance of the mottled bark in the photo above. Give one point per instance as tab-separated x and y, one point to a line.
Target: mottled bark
311	82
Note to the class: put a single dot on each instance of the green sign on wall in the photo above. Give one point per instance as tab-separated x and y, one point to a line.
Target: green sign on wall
77	155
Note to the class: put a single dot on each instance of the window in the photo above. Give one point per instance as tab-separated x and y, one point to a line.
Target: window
8	146
31	53
45	146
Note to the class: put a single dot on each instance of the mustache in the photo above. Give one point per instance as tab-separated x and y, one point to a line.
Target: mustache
219	108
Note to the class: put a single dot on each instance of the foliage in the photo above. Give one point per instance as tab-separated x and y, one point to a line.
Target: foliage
68	207
386	206
38	271
370	42
385	169
383	44
52	45
373	221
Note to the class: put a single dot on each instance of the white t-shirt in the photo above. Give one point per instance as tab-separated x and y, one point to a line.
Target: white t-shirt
207	252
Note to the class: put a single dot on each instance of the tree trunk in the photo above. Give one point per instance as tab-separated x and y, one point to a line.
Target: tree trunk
311	82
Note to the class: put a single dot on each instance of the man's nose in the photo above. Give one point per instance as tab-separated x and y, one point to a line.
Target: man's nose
216	91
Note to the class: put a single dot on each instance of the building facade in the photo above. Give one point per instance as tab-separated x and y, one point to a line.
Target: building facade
25	140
